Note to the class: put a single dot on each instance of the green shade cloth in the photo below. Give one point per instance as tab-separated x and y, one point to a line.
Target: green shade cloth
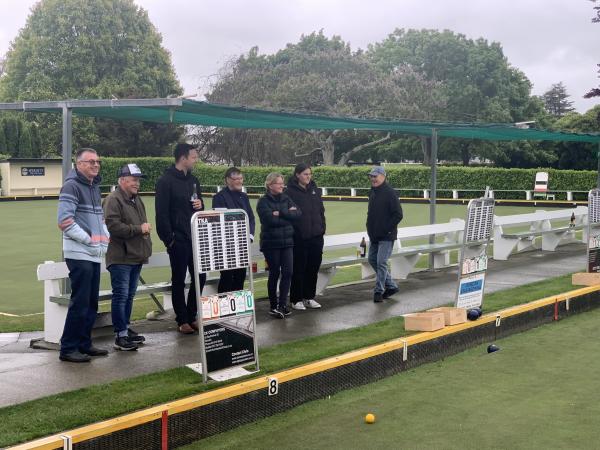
203	113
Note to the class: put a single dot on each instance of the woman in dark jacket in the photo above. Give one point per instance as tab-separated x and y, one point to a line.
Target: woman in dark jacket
308	237
277	212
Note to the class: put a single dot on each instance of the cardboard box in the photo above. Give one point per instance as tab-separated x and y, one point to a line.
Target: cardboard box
452	316
425	321
585	279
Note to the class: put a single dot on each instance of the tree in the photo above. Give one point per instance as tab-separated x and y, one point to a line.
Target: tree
578	155
92	49
556	100
477	80
323	75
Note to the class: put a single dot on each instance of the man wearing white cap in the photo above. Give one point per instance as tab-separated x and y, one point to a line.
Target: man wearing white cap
128	249
383	216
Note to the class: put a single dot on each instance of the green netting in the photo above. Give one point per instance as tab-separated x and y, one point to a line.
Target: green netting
203	113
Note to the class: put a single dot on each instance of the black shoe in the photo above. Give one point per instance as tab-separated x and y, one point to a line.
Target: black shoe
95	351
389	292
377	297
135	337
285	310
123	343
75	357
276	313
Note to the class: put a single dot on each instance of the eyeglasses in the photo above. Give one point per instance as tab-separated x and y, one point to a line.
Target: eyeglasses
236	178
278	183
373	176
92	162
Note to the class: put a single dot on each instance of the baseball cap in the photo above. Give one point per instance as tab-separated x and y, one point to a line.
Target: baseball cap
377	170
130	170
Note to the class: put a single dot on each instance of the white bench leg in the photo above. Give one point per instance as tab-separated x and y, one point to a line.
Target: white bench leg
54	314
324	278
403	265
526	244
366	270
441	259
503	247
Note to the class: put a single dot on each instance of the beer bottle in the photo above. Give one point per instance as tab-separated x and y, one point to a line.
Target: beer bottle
363	248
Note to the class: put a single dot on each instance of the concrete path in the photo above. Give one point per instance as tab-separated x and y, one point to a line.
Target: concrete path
27	374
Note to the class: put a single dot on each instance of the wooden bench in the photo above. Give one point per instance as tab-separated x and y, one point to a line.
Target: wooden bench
542	224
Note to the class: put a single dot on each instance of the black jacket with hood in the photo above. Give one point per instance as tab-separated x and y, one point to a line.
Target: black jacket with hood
312	222
173	204
384	214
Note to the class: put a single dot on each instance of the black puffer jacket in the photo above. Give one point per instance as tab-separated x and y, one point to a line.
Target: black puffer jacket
384	214
276	231
312	222
173	206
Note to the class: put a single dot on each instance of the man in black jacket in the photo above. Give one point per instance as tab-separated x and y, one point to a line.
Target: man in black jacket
177	199
233	197
383	216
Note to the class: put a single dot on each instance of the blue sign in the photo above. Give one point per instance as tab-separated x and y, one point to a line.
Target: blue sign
33	171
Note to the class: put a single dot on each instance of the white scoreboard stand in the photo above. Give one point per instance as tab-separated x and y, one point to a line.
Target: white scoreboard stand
226	321
473	259
593	241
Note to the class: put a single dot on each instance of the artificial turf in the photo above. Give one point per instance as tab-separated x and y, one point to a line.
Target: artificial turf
538	392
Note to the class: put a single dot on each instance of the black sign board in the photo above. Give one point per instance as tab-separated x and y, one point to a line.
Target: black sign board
227	345
33	171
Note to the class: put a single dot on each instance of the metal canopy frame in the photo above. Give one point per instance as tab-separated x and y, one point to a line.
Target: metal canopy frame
66	108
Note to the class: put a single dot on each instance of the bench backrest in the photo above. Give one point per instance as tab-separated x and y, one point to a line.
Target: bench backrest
524	219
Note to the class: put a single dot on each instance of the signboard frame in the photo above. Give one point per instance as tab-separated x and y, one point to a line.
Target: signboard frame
222	247
473	259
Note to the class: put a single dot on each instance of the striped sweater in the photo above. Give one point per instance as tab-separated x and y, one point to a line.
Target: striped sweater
80	218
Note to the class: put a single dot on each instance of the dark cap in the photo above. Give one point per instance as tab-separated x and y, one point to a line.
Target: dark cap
130	170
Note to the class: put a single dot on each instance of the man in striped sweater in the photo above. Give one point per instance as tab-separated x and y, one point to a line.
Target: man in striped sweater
85	240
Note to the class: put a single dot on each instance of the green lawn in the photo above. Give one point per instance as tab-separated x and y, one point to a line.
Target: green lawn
537	392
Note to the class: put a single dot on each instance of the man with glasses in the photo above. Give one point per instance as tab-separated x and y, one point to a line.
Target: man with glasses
232	197
85	240
383	216
129	247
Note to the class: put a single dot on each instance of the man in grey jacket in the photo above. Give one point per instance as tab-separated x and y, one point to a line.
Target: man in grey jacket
85	240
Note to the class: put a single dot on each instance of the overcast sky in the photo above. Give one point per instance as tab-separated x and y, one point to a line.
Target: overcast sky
549	40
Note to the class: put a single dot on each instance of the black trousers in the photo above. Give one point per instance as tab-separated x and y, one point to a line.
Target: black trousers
280	262
308	254
181	258
231	280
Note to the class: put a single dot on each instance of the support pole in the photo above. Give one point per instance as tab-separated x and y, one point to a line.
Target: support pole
598	158
433	189
67	140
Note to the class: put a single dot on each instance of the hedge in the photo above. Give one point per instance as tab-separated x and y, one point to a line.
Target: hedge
413	177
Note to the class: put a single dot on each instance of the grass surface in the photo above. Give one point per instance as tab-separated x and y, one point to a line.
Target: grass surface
537	392
68	410
30	236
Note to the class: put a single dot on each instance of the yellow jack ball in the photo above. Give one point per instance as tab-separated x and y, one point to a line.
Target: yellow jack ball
370	418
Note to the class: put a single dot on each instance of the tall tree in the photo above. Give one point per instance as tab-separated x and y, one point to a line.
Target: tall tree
92	49
323	75
478	81
556	100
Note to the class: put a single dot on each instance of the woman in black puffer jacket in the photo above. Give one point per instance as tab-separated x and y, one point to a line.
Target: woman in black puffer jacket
277	212
308	237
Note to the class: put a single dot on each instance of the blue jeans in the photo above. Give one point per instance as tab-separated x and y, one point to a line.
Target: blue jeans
83	307
124	280
379	253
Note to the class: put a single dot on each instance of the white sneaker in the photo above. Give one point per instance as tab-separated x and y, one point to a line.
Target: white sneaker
311	303
299	306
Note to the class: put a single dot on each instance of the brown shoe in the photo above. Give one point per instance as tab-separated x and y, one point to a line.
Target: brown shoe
194	325
186	329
